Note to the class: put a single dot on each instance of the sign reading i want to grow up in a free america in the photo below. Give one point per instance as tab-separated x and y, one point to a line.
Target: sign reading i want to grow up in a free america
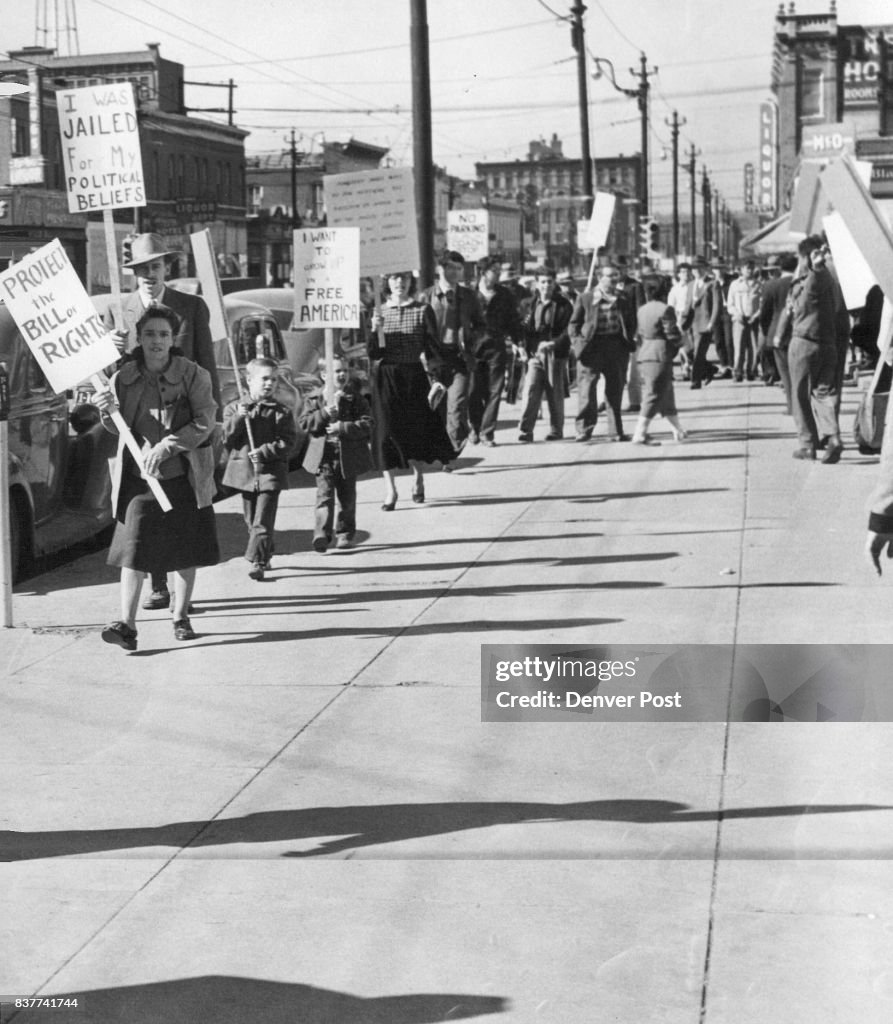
56	317
101	147
327	277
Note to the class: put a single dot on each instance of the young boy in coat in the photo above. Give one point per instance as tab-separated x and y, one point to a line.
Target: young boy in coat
337	452
259	472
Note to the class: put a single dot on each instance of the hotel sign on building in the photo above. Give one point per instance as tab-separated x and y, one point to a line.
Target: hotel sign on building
861	52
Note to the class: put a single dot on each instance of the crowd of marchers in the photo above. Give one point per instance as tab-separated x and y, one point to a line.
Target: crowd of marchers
441	364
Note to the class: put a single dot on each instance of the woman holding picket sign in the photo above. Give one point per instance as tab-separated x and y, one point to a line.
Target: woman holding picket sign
167	402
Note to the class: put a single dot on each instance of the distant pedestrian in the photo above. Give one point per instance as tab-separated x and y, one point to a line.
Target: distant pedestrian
813	353
406	388
500	328
337	453
706	306
259	470
679	299
775	324
658	340
545	319
602	332
745	294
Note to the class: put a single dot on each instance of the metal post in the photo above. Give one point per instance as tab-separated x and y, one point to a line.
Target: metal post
694	191
422	154
643	110
675	125
583	99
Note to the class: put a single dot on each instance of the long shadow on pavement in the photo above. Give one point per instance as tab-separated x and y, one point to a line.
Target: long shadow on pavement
379	824
225	999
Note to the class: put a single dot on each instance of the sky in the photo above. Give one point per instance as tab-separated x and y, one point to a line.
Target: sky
503	72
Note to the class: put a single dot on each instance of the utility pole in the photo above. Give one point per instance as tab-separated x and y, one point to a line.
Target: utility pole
674	126
705	194
421	139
293	152
583	99
692	170
642	94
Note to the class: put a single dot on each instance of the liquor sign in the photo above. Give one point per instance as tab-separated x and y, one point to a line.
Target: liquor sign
862	66
749	181
767	185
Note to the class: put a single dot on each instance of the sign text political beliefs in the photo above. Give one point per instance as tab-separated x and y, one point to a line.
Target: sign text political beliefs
101	148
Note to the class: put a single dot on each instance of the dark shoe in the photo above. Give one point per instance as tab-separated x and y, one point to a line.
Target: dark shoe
389	506
633	408
805	453
120	634
525	438
257	573
418	494
739	377
724	374
447	468
832	452
695	385
751	377
488	442
586	435
822	444
321	543
183	630
619	437
344	540
157	599
647	441
552	436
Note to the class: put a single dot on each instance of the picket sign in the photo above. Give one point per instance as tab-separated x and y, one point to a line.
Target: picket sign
212	293
599	227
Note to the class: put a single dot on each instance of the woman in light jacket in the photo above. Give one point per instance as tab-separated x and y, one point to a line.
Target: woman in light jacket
167	402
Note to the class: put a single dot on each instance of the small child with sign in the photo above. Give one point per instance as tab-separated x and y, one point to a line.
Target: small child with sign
337	452
259	470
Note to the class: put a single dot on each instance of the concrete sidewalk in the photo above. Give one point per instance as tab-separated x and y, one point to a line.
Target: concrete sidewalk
300	815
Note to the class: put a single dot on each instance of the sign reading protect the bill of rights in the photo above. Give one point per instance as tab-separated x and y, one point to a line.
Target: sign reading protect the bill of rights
381	204
101	147
468	233
327	277
56	317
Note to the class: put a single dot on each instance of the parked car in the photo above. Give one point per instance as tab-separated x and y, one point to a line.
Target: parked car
59	486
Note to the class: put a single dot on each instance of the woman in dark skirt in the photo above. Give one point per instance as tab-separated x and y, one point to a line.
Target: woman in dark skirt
406	431
167	402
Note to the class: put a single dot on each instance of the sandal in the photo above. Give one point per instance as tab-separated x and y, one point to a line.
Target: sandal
183	630
120	634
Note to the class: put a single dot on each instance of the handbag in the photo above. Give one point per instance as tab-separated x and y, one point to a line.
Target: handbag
868	426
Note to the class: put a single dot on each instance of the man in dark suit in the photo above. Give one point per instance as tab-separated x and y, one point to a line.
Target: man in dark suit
149	262
459	323
775	294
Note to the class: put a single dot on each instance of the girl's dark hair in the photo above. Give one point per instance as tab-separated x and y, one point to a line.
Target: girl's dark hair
158	312
385	288
651	288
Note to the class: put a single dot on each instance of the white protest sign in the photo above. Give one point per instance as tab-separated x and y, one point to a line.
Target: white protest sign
206	270
381	204
327	277
56	317
850	265
468	233
101	147
600	224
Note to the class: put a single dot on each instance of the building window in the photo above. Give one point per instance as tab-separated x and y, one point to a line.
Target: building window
170	178
811	94
21	139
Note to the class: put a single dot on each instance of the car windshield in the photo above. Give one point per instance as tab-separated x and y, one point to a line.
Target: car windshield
255	336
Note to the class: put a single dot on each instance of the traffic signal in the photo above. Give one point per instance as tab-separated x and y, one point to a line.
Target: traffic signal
127	249
654	236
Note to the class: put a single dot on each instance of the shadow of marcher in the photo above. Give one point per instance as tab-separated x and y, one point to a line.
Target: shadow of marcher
378	824
233	1000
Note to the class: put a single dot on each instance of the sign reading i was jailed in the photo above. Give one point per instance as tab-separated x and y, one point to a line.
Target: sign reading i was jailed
101	147
381	204
56	317
468	233
327	277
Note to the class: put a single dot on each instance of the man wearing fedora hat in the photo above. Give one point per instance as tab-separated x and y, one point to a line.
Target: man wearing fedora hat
149	262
